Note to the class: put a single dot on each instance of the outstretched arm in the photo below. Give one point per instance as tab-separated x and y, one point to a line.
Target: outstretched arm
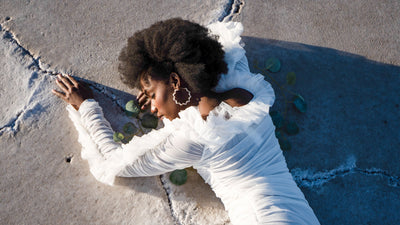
155	153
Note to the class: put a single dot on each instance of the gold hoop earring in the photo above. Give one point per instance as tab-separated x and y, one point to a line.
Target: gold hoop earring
187	93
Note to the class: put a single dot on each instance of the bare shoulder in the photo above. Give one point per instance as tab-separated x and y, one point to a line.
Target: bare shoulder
237	97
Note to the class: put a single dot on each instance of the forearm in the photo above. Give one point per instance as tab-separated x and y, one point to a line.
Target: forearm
98	127
157	152
171	154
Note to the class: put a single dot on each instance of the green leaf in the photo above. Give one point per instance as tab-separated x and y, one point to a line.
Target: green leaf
291	128
117	136
132	108
285	144
300	103
277	118
149	121
130	114
127	139
273	64
129	128
291	78
178	177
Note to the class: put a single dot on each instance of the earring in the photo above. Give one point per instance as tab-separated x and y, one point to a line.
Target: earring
187	93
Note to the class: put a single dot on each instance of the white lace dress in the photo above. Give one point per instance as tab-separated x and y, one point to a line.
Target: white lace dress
235	150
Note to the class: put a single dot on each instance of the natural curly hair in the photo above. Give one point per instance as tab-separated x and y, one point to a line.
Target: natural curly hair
173	45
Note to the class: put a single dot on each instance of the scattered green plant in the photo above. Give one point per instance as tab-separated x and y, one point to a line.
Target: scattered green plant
149	121
178	177
132	108
129	130
118	137
284	126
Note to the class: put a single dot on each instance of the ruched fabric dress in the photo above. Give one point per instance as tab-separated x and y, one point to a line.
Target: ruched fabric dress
235	149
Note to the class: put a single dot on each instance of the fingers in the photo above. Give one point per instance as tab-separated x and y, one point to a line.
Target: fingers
61	85
72	80
143	100
66	81
67	84
140	95
146	104
71	91
58	94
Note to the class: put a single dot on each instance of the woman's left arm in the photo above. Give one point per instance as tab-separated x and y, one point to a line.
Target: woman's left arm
155	153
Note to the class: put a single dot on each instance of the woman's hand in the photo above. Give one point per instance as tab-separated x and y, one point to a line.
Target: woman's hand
143	100
72	92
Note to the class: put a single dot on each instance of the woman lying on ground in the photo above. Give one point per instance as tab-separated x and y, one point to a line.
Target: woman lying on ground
215	115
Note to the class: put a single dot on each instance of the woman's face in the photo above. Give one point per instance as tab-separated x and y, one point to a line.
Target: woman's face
160	94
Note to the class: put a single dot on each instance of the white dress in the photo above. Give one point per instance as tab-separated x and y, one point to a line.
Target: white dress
235	150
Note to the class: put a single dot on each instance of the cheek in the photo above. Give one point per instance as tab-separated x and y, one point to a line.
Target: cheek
163	100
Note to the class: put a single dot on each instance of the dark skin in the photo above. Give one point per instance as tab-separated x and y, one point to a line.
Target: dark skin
72	92
158	95
164	106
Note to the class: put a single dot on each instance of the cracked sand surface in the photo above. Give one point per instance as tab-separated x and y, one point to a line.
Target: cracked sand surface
36	139
310	179
42	172
38	178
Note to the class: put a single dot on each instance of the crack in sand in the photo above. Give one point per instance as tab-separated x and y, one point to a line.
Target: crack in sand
167	192
308	178
35	67
8	35
232	9
13	125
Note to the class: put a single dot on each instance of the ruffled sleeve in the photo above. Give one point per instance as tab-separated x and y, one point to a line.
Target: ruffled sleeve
157	152
239	75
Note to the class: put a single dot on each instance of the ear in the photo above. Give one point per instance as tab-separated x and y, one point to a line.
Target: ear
175	80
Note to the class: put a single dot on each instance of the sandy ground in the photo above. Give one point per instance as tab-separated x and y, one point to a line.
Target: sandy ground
346	56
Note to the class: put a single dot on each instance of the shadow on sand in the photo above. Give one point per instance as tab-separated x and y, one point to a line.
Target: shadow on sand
353	111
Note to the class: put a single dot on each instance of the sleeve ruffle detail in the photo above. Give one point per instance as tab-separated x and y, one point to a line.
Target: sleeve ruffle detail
112	158
103	170
215	130
229	36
